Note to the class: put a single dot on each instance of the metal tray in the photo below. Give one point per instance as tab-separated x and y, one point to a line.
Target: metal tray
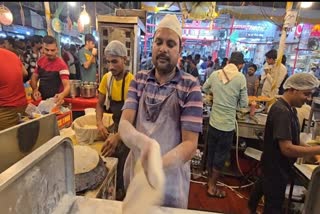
36	183
20	140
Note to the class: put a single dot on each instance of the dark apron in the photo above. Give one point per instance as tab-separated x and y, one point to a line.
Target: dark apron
121	152
49	83
116	106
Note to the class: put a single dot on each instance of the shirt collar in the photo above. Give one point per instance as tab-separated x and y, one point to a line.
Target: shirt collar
175	79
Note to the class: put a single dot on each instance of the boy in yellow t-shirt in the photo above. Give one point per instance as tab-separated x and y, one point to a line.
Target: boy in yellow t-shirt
113	90
116	86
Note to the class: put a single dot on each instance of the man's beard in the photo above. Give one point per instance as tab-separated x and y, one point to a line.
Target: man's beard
161	68
164	69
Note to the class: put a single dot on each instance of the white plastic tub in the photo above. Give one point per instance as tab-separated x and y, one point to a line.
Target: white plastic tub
86	130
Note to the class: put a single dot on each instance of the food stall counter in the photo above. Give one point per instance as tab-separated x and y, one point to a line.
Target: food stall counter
103	191
43	182
80	103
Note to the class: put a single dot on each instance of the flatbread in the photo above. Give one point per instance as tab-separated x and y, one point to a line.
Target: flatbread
85	159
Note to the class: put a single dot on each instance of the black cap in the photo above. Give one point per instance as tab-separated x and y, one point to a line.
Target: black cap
237	58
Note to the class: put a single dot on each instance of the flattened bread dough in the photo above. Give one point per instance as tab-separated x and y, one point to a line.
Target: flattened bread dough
85	159
146	191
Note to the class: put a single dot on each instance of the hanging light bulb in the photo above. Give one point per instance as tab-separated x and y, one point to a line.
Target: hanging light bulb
84	16
6	17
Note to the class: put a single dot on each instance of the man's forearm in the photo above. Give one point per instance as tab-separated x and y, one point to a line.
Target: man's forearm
33	83
99	113
295	151
179	155
88	63
66	91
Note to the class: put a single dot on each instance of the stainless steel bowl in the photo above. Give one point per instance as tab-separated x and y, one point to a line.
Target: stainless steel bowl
74	88
88	91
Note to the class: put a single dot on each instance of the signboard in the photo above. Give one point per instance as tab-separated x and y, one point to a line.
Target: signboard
254	29
19	30
73	32
315	31
36	20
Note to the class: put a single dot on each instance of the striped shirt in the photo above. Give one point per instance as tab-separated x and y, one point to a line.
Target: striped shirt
186	86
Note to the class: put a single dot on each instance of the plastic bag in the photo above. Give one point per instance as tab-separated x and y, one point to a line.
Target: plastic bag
47	106
32	111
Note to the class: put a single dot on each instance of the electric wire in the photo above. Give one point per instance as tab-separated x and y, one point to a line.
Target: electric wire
238	166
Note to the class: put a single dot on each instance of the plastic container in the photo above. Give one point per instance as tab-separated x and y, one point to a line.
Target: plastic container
88	111
86	130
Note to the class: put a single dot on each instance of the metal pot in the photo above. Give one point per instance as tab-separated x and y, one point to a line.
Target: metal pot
88	90
74	88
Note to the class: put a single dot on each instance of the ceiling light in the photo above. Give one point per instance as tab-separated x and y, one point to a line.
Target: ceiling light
306	4
72	4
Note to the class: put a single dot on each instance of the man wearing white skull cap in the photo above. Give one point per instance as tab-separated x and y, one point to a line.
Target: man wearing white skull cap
113	90
165	104
282	142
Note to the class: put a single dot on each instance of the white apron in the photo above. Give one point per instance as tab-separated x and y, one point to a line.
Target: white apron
161	121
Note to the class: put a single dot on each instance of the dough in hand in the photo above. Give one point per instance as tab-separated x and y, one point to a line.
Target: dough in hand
146	191
85	159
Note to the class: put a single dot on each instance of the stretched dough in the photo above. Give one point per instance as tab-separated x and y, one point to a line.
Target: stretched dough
85	159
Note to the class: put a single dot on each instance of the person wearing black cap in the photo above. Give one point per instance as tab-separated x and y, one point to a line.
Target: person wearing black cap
229	88
87	57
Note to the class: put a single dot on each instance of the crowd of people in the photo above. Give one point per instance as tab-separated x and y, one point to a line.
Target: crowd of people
47	73
164	104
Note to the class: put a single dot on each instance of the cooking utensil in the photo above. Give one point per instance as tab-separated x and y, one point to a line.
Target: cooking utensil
74	88
88	90
91	180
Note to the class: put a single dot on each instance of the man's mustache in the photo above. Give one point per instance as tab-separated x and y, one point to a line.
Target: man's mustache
163	56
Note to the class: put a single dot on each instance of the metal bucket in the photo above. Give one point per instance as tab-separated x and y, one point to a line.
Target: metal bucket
74	88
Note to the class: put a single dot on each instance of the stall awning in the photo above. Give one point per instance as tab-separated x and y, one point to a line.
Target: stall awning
269	13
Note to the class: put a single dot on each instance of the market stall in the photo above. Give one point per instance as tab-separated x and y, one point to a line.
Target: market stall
44	182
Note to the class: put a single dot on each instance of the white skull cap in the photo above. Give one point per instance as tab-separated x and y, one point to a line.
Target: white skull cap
115	48
171	22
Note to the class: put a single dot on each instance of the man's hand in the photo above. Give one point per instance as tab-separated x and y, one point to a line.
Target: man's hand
110	145
267	71
59	99
94	51
36	95
102	130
